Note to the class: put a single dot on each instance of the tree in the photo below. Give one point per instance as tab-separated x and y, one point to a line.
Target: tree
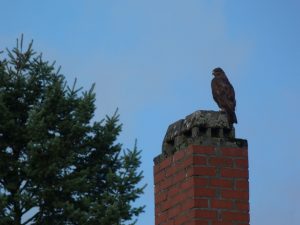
56	165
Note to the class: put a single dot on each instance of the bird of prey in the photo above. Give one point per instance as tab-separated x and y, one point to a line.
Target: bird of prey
223	94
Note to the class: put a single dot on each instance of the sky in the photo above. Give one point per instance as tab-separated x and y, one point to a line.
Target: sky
153	60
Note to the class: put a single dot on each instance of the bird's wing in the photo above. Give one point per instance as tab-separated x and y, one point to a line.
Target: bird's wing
231	103
219	90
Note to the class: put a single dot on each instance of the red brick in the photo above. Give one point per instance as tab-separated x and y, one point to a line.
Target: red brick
189	191
234	152
199	222
179	155
179	177
221	223
157	188
174	211
166	183
241	163
165	163
222	183
194	182
201	171
159	176
160	218
201	203
204	192
174	190
182	165
160	197
235	194
170	222
204	214
205	150
194	203
221	161
179	198
235	216
195	160
156	169
242	184
221	204
187	204
199	160
182	219
167	205
170	171
187	183
157	209
200	181
234	173
243	206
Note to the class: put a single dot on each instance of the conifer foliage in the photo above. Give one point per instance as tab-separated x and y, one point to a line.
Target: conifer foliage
57	167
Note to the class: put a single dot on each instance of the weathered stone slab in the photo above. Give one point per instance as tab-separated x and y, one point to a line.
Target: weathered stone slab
202	127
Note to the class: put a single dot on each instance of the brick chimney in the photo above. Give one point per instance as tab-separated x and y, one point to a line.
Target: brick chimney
201	177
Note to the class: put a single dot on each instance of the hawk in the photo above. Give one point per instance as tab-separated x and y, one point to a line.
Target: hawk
223	94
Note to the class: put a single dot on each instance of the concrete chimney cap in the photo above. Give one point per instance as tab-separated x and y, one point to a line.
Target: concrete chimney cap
201	119
203	127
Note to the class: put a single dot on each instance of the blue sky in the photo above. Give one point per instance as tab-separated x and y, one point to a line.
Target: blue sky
153	60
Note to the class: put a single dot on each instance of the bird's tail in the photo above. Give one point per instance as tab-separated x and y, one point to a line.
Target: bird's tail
231	117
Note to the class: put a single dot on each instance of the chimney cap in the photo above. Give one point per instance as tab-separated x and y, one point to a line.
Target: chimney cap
205	127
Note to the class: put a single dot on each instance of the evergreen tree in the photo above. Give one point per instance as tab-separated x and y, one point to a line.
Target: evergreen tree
58	167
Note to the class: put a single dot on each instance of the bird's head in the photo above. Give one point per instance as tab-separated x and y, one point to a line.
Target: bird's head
218	72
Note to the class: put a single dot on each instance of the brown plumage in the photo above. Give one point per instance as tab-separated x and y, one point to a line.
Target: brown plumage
223	94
